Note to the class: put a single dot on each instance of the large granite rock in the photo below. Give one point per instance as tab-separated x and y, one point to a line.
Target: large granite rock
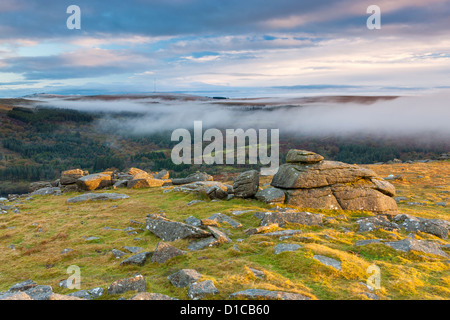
169	230
246	184
309	182
94	181
34	186
71	176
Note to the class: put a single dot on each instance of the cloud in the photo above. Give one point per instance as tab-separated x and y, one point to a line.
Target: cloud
76	64
252	43
405	116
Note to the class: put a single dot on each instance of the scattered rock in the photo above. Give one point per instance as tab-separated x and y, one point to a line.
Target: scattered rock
328	262
258	294
163	175
246	184
282	233
56	296
97	197
257	273
281	218
151	296
71	176
190	203
219	235
67	250
169	230
82	294
366	242
39	292
193	221
89	239
240	212
424	246
15	296
138	259
96	292
437	227
34	186
216	193
221	218
199	290
47	192
94	181
184	277
203	243
165	251
199	176
133	249
146	181
117	253
378	222
271	195
23	286
136	283
283	247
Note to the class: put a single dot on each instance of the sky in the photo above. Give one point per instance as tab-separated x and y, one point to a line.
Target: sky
223	46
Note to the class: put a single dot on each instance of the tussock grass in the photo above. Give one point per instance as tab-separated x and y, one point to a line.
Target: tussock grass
48	225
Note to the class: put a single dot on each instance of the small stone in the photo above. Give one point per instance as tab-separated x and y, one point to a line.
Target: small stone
40	292
151	296
164	252
184	278
257	273
258	294
283	247
366	242
136	283
23	286
194	202
89	239
328	262
83	294
96	292
138	259
199	290
203	243
193	221
133	249
219	217
67	250
117	253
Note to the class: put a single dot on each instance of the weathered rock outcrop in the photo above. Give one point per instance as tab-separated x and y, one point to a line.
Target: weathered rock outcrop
310	182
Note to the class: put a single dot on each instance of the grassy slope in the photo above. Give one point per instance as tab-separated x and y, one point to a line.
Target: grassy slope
403	275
